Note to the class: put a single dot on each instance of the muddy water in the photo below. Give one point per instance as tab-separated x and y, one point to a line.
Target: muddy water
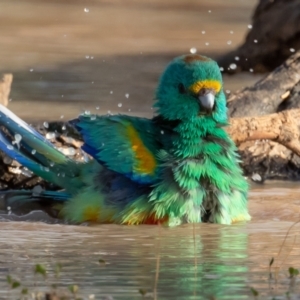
178	263
72	56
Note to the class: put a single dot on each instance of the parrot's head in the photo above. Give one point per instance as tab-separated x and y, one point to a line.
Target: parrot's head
191	88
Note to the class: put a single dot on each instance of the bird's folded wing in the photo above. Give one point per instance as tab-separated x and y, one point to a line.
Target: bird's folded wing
124	144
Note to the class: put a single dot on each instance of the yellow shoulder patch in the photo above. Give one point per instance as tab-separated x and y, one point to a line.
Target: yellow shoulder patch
207	84
145	160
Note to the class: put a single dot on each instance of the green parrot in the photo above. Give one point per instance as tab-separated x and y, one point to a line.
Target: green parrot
178	167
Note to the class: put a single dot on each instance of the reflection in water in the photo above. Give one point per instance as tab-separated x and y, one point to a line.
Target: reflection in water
177	263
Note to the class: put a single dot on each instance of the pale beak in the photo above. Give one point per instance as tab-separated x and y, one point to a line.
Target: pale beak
207	101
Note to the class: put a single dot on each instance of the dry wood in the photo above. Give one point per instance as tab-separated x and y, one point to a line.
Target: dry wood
274	36
269	94
5	85
282	127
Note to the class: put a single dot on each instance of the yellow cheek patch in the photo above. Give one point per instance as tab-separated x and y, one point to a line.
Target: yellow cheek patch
145	161
207	84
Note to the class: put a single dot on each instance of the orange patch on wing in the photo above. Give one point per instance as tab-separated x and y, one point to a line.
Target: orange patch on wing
91	214
207	84
146	162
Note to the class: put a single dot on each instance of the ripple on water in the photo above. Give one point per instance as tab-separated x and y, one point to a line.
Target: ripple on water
224	261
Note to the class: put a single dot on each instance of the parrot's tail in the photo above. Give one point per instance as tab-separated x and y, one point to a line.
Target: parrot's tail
27	146
23	202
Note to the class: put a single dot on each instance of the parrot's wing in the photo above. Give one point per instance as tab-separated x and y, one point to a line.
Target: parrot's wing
124	144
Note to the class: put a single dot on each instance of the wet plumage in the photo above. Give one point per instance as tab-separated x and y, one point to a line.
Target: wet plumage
178	167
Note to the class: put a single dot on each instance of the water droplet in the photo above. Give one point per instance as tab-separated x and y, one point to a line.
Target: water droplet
108	112
97	107
87	56
111	92
221	69
51	164
162	132
203	31
63	127
206	44
50	135
231	32
129	109
93	118
46	169
62	116
250	26
292	50
86	10
209	11
120	105
127	96
229	42
251	70
87	112
92	82
255	41
237	58
33	151
92	57
46	124
193	50
31	70
232	66
10	147
227	91
18	138
256	177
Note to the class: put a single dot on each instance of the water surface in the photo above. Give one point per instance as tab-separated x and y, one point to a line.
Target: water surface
187	262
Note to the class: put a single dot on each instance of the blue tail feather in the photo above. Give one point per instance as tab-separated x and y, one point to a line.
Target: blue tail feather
27	146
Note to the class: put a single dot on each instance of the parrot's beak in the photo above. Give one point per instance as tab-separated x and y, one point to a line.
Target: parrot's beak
207	101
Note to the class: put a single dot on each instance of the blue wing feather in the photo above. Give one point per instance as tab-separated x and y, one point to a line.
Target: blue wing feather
123	144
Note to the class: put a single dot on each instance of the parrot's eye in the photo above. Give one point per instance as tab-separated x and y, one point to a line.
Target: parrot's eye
181	88
202	92
205	91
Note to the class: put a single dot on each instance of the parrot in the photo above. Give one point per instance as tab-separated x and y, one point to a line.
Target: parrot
178	167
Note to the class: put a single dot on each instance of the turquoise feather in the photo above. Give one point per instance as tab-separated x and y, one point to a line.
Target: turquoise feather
179	167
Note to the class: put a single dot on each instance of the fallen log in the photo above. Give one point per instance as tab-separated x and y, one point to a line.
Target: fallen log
273	36
276	92
5	85
282	128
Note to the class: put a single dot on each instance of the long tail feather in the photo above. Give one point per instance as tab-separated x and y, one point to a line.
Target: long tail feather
27	146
